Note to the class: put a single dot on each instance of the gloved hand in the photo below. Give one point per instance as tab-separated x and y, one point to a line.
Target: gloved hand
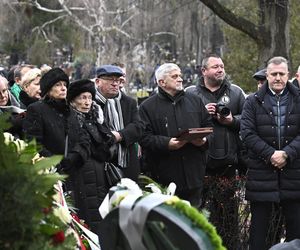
71	162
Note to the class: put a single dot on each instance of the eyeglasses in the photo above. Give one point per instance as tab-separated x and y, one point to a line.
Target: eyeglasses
111	79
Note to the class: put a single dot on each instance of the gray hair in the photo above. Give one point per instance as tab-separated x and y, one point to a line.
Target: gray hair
277	60
164	69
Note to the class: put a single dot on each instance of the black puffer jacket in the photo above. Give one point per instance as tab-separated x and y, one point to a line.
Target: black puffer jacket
260	133
224	144
164	118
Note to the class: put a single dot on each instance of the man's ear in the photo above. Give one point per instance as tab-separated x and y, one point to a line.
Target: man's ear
98	82
162	83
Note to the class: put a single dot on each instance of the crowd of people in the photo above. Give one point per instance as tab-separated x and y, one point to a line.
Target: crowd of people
93	121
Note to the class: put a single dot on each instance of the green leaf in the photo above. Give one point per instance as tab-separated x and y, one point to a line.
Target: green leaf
48	162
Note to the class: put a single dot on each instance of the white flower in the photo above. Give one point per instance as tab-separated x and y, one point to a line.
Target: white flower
130	185
63	213
171	189
154	188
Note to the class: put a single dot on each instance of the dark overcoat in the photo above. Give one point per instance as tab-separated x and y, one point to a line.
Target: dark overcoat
164	117
131	133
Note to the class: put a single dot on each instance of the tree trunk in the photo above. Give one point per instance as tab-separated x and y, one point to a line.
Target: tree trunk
276	39
272	33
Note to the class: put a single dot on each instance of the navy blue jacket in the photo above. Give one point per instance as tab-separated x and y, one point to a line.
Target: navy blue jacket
261	136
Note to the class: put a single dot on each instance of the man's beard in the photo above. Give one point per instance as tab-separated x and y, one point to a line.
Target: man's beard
212	81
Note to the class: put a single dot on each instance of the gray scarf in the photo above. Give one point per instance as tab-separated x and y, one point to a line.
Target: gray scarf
115	122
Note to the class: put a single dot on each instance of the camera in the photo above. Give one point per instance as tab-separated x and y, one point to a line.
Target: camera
222	110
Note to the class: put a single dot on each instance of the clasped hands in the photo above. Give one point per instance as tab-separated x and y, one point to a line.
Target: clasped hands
279	159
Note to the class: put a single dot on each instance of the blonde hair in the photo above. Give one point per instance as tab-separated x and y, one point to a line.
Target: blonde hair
30	76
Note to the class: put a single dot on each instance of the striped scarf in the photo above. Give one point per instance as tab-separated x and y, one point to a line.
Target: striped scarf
115	122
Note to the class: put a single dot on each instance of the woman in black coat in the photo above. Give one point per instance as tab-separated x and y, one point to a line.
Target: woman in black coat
88	180
49	119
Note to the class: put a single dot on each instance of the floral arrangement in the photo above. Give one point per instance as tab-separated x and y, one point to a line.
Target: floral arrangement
129	188
33	211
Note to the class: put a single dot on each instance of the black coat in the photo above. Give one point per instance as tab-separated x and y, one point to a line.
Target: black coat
88	147
132	132
225	144
26	100
16	116
164	117
49	121
88	180
258	129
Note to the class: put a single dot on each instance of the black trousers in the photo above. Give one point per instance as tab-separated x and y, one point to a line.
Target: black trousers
260	221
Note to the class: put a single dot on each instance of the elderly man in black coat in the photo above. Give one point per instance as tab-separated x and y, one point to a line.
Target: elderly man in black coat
166	114
121	115
270	127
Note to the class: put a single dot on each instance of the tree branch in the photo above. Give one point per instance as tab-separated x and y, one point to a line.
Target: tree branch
233	20
41	28
40	7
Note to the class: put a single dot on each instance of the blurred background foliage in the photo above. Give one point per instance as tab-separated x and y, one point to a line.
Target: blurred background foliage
139	33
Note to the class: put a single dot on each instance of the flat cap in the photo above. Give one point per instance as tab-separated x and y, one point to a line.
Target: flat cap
109	70
260	75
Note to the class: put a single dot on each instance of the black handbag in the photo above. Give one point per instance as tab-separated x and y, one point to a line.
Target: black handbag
113	173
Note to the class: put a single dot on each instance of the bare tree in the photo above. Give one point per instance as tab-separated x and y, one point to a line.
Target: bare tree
93	17
271	33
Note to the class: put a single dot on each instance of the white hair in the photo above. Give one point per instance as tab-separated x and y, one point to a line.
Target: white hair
4	80
164	69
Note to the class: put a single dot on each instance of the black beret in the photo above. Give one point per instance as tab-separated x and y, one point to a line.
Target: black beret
80	86
109	70
52	77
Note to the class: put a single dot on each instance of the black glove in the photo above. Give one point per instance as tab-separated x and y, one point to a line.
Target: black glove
67	164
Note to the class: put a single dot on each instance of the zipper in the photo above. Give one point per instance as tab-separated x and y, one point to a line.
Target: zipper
278	122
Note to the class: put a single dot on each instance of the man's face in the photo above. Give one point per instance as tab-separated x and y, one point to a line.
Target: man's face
277	76
214	72
123	79
24	70
108	86
3	94
297	75
260	83
172	83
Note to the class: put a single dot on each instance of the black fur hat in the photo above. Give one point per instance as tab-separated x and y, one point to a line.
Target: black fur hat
80	86
52	77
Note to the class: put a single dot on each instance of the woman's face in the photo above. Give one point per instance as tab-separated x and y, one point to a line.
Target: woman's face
83	102
33	89
58	91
